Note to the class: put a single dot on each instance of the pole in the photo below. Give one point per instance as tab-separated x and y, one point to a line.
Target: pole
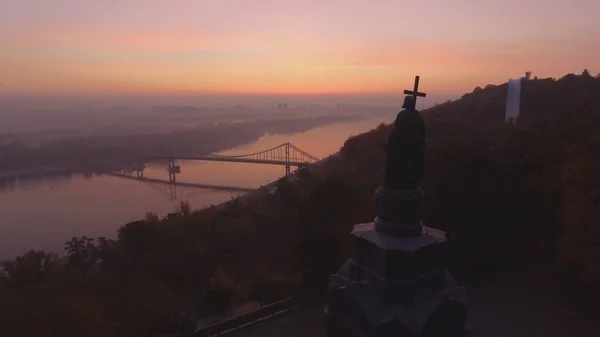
287	159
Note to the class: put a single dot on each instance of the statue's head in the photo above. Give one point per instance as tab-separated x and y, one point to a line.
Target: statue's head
409	102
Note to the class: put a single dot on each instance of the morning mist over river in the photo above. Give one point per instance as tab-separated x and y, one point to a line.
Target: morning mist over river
43	213
299	168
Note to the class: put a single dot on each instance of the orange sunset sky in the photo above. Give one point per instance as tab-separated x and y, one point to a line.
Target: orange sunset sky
297	47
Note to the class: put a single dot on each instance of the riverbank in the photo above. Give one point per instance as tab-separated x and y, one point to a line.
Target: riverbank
58	204
33	173
90	153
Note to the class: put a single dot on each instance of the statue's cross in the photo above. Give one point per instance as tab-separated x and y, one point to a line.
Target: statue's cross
415	93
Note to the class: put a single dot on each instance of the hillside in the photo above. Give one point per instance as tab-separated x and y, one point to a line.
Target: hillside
509	193
504	193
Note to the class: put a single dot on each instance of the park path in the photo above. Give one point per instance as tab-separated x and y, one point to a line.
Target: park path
521	302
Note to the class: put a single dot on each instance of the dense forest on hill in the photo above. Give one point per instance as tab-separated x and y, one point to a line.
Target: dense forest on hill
504	193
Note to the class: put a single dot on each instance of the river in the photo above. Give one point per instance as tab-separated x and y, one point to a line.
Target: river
44	213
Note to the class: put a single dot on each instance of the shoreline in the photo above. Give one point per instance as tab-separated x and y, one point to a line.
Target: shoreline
11	181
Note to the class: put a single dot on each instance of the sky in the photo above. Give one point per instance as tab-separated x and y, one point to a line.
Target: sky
186	48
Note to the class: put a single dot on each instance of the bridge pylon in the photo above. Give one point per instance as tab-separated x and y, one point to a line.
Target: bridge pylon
173	170
287	159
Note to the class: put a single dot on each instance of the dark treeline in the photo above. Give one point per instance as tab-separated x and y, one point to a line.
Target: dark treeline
505	194
88	153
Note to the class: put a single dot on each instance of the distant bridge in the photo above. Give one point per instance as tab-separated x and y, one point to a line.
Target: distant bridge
286	155
178	190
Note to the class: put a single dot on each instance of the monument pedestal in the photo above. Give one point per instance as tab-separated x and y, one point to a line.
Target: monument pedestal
396	283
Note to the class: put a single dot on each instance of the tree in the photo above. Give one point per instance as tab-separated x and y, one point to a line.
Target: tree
29	268
269	291
173	216
578	250
586	73
151	217
82	253
219	295
139	236
326	216
106	251
144	307
184	208
234	206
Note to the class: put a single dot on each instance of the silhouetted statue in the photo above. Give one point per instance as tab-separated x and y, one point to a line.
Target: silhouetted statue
405	160
396	283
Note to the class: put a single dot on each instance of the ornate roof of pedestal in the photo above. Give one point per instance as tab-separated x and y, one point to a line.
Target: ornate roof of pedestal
410	244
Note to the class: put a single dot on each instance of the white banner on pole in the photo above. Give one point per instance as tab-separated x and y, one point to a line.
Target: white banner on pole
513	100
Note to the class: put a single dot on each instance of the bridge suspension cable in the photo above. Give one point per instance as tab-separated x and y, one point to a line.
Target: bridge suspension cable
285	154
288	153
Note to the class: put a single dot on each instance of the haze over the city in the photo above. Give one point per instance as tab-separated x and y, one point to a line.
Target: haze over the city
258	168
258	51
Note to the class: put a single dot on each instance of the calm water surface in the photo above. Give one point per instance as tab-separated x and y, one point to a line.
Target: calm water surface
44	213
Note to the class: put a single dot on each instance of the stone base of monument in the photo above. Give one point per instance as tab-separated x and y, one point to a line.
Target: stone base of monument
396	284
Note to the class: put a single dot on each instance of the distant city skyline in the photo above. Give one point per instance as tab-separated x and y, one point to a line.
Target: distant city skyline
262	50
45	102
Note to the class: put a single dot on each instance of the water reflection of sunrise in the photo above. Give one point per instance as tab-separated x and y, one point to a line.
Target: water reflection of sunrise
60	207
